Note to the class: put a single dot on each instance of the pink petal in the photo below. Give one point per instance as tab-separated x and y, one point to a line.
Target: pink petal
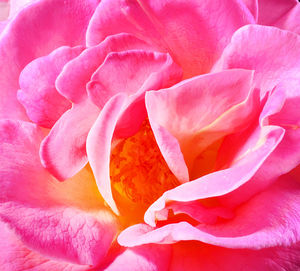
252	227
147	258
59	220
124	72
17	5
63	151
254	47
17	257
194	256
223	181
77	73
290	21
4	10
167	25
252	5
197	111
25	39
99	146
270	11
43	104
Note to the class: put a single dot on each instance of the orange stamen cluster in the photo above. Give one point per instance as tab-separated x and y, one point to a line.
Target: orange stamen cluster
138	171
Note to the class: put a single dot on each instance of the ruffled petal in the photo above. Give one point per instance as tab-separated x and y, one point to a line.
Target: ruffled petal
43	104
167	25
25	39
63	151
65	221
77	73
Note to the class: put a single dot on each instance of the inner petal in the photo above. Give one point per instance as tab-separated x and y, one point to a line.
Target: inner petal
139	174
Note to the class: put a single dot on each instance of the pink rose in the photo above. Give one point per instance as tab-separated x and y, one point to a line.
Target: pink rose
150	135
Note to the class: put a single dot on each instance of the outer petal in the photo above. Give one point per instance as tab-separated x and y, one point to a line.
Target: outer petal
185	29
125	72
149	258
33	33
270	11
197	112
63	151
252	227
194	256
44	105
17	257
61	220
77	73
4	10
255	47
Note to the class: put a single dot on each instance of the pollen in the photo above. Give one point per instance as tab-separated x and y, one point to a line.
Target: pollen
138	171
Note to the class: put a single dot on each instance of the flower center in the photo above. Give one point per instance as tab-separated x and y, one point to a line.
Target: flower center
139	173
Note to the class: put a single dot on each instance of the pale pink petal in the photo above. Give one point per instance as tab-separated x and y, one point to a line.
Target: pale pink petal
43	104
252	227
77	73
201	110
255	47
25	39
15	256
125	72
290	21
99	145
4	10
147	258
224	181
17	5
63	151
167	25
65	221
270	11
194	256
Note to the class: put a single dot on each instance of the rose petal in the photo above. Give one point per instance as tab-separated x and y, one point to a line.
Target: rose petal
61	220
223	181
254	47
43	104
99	142
63	151
197	111
252	227
167	25
25	39
17	257
124	72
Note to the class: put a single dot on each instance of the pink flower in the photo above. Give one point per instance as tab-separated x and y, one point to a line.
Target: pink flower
150	135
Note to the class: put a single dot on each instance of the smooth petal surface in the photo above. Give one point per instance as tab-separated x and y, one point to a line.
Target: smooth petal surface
255	47
43	104
19	45
99	146
17	257
167	25
124	72
223	181
77	73
196	107
194	256
252	227
63	151
60	220
147	258
271	11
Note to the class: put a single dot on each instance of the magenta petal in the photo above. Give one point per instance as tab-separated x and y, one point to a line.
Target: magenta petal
223	181
60	220
43	104
17	257
252	227
63	151
167	25
19	44
77	73
254	47
99	146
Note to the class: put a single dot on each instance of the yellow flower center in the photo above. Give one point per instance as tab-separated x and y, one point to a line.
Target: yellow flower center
139	173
